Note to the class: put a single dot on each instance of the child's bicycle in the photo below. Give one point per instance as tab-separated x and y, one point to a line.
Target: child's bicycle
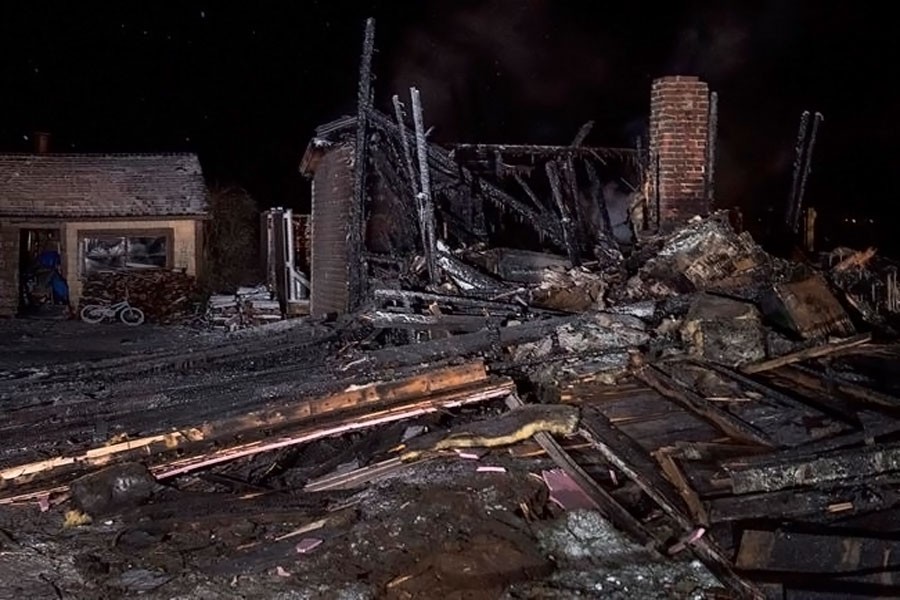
95	313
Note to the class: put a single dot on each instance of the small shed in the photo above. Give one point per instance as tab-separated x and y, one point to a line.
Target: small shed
100	212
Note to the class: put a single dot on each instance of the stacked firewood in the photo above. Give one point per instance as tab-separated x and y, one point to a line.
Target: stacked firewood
164	296
248	307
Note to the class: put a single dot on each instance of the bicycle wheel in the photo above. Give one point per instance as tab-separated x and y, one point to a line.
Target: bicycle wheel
93	313
131	316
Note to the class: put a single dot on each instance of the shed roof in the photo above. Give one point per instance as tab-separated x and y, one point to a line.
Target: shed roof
101	185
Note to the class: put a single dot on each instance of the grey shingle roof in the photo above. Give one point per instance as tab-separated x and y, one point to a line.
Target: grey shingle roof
101	185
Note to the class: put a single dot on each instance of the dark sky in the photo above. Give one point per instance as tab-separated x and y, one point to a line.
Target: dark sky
245	85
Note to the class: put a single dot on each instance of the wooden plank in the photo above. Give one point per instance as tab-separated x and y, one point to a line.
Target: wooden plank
357	477
479	392
175	463
674	473
808	353
826	504
625	454
462	345
850	439
726	422
831	556
285	412
846	389
852	464
388	320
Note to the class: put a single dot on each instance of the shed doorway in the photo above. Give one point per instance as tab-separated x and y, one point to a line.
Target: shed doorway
44	291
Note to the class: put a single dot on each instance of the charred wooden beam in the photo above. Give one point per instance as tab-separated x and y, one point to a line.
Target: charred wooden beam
829	349
530	193
490	389
356	267
666	459
426	201
546	152
286	412
823	384
841	465
407	157
582	134
357	477
579	222
723	420
464	345
466	277
807	169
388	320
832	557
629	457
596	191
817	504
567	226
752	384
712	140
459	302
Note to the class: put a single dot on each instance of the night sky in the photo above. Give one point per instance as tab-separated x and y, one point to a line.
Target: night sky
245	85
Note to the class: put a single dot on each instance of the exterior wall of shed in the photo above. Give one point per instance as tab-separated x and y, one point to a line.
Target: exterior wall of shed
679	131
9	270
185	247
331	199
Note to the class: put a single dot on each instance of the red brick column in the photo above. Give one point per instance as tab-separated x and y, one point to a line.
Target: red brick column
679	136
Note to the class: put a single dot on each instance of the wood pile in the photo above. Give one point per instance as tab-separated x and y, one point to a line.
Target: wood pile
247	307
164	296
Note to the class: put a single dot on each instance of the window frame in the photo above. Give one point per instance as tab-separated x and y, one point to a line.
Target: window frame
165	232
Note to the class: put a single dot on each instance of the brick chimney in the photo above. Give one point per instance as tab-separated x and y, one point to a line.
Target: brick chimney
679	151
41	142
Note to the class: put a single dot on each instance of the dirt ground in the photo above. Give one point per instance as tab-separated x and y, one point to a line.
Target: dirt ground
35	343
438	529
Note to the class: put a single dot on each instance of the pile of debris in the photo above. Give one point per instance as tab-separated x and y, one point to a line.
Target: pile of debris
164	296
711	402
603	409
247	307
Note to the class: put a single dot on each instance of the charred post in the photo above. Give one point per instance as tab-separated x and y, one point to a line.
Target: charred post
426	202
356	265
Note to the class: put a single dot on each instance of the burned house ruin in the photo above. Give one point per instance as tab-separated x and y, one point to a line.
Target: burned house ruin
582	203
527	371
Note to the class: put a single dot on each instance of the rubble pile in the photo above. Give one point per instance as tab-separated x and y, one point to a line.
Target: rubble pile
527	397
164	296
719	407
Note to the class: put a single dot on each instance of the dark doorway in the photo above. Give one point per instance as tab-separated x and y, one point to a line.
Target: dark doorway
43	289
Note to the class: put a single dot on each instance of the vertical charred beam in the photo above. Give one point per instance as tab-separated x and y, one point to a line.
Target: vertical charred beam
711	142
575	207
410	171
565	217
807	168
597	196
355	266
426	201
657	218
798	166
583	133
